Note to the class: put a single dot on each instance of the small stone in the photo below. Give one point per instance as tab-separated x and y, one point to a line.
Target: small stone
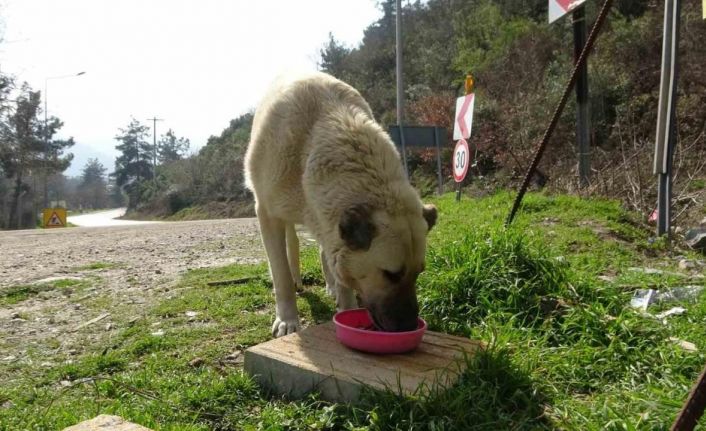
108	326
65	383
158	333
191	314
235	358
196	362
696	239
15	315
9	358
678	230
686	264
157	271
47	294
7	405
686	345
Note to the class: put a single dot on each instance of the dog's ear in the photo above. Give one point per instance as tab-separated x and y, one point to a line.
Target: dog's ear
429	213
356	227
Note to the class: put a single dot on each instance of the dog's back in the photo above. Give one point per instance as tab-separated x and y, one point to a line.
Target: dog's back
281	141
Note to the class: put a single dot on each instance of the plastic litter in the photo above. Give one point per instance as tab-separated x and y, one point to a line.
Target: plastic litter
674	311
642	298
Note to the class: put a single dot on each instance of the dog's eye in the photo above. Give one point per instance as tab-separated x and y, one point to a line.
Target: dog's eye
393	276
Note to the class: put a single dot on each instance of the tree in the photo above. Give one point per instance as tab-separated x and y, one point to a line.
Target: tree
93	188
116	197
134	164
333	56
26	147
170	148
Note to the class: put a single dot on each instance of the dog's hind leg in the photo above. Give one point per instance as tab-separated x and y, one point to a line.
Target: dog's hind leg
273	231
293	256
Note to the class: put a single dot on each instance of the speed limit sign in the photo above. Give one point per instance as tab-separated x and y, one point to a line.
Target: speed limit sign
460	160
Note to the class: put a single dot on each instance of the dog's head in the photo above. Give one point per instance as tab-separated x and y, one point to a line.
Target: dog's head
381	258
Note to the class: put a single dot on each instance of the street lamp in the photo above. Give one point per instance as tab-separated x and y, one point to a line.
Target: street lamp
46	130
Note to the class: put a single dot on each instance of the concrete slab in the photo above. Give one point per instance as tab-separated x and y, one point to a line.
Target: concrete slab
314	360
106	423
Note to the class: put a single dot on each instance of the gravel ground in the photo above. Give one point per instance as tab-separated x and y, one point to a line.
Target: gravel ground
85	273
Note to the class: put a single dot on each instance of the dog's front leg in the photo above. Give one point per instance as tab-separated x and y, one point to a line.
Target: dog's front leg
273	237
328	275
345	297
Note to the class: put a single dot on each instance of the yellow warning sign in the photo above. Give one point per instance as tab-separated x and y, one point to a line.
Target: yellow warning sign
54	217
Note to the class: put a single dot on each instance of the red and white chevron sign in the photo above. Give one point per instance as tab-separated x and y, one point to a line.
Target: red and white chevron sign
464	117
559	8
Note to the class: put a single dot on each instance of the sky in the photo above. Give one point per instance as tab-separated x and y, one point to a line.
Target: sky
197	64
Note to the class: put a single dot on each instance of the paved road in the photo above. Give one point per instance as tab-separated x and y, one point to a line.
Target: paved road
104	218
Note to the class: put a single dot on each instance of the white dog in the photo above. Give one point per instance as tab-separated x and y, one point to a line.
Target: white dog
317	157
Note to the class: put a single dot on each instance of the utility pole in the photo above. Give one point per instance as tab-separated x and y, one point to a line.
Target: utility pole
154	140
400	87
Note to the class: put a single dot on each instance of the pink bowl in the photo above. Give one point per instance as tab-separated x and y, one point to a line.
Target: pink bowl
354	329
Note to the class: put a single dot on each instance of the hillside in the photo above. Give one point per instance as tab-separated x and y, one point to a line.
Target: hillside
520	64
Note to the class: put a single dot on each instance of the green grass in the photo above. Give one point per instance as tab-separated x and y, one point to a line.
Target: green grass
15	294
565	351
97	266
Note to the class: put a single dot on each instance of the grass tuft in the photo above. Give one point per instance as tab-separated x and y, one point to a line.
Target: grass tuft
497	273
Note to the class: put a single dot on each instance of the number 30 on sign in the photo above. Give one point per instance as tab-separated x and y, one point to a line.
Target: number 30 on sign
460	160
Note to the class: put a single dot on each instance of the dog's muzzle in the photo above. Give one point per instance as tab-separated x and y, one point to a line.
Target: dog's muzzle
396	314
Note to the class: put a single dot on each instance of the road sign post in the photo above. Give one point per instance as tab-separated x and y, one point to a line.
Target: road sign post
460	164
437	142
583	119
557	9
400	81
54	217
666	115
463	120
597	25
420	136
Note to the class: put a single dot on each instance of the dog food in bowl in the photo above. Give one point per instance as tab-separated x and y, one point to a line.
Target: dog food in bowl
355	329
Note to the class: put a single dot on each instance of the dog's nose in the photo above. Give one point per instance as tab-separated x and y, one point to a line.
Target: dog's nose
401	313
408	324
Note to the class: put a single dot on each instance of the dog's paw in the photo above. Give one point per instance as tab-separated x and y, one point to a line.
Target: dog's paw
283	327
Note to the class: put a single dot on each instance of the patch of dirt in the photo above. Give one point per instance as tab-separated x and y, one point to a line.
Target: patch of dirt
136	268
603	232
